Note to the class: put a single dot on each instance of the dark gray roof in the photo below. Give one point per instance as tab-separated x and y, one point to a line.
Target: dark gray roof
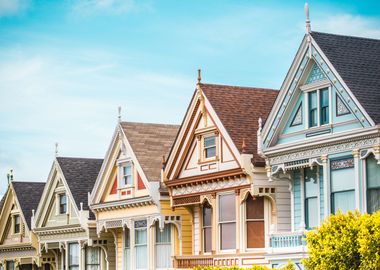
357	61
28	195
80	175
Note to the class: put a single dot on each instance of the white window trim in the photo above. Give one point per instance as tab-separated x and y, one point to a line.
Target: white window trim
202	248
58	210
201	147
121	164
219	249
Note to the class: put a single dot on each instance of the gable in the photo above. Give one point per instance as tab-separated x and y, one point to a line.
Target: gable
310	76
188	154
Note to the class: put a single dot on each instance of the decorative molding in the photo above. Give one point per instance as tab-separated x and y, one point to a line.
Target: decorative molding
298	117
123	204
341	108
342	164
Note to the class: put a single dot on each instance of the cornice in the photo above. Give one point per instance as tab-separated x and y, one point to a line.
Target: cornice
19	247
59	230
122	204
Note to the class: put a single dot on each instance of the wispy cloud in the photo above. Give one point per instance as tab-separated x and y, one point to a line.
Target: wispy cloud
348	24
13	7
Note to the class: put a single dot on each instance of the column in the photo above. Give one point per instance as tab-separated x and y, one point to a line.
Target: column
355	154
326	186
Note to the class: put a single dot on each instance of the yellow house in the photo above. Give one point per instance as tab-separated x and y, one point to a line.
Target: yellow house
18	244
130	201
214	170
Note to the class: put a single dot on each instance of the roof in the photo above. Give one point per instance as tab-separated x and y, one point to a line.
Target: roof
28	195
3	200
239	109
357	60
80	175
149	143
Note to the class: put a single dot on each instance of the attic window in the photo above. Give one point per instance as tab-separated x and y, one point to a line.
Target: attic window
126	177
209	146
62	204
17	225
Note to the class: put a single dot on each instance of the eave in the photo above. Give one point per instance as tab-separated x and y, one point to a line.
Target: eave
123	204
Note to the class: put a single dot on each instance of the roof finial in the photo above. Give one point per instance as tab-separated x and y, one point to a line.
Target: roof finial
10	176
243	146
308	25
163	161
119	114
56	149
199	75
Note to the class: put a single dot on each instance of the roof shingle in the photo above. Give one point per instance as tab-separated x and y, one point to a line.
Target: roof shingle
28	195
357	60
149	143
239	109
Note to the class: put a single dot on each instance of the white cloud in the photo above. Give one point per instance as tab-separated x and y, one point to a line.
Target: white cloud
348	24
13	7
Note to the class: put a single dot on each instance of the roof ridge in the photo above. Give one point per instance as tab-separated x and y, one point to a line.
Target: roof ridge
238	86
148	123
87	158
341	35
29	182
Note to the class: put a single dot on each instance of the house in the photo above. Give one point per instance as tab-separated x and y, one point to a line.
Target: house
130	201
323	134
215	171
64	225
18	244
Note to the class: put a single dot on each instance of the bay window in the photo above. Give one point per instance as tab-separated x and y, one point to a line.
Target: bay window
207	227
311	198
255	224
342	185
141	244
163	247
227	221
373	185
73	256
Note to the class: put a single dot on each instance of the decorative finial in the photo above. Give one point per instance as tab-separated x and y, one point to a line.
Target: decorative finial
308	25
56	149
199	76
260	125
10	176
119	114
243	146
163	161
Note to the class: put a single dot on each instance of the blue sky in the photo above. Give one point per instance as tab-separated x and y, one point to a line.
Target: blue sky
65	66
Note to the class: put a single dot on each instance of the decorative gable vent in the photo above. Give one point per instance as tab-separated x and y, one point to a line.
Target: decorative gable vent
297	120
341	108
315	75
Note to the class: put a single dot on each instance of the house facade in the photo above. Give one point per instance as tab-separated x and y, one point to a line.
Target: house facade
18	244
323	134
130	201
64	225
214	170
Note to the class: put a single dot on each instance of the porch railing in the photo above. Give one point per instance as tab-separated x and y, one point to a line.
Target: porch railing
286	240
193	261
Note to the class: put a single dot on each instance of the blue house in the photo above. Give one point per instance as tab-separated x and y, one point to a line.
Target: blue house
323	134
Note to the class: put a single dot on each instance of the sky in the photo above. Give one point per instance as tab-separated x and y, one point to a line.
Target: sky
66	66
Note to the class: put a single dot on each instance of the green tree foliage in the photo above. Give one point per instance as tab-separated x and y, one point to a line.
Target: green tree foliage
345	241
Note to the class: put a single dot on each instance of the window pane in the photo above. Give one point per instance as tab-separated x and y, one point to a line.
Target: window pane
311	184
255	234
313	108
313	100
343	179
227	207
324	97
373	173
209	141
311	207
313	118
210	152
207	238
373	200
207	215
165	235
73	255
163	247
344	201
255	207
127	243
141	237
141	257
228	236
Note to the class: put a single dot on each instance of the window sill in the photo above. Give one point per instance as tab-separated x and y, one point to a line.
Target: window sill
126	187
210	160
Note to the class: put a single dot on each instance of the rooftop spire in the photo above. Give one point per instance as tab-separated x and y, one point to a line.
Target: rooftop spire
10	176
119	114
308	25
56	150
199	76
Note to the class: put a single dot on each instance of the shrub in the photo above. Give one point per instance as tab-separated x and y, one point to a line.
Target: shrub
288	266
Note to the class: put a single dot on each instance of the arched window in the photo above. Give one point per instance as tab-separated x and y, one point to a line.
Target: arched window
207	227
255	225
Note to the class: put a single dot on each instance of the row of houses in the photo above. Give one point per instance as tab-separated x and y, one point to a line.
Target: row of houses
239	182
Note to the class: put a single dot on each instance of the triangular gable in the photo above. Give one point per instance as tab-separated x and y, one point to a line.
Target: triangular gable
310	67
185	159
108	184
47	214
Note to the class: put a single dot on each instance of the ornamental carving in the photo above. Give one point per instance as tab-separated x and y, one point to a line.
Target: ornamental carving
342	164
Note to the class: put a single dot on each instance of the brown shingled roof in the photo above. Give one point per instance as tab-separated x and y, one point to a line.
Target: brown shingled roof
149	143
239	109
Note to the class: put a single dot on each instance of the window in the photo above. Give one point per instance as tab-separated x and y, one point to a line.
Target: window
207	227
373	185
62	204
141	244
255	222
163	247
92	258
17	225
10	265
127	249
227	221
73	256
311	198
127	175
209	146
342	185
321	109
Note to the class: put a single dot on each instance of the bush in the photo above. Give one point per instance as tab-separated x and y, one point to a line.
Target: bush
288	266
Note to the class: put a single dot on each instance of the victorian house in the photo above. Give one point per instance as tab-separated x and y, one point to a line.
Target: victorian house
18	244
63	223
214	171
130	201
323	134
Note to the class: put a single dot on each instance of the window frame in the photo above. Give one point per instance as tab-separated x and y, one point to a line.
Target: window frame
206	148
220	223
122	176
60	196
308	198
246	220
16	217
206	205
70	265
98	249
146	244
158	244
367	188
